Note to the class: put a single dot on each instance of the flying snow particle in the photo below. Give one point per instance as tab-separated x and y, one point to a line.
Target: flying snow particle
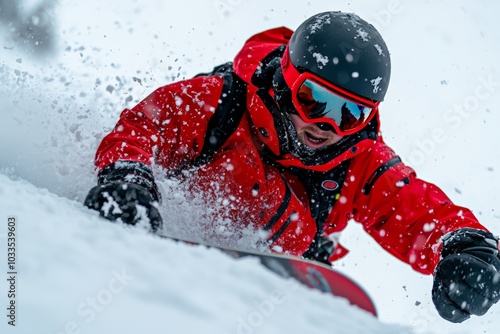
412	259
320	59
363	35
379	50
375	83
178	101
400	184
277	249
428	227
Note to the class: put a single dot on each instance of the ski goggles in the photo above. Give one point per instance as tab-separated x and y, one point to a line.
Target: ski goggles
319	101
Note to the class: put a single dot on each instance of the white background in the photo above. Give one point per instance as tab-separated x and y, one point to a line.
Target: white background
440	115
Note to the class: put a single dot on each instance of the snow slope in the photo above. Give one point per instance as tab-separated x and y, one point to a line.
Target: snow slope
80	274
439	115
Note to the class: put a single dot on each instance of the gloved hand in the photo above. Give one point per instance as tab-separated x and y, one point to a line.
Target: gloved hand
467	279
126	192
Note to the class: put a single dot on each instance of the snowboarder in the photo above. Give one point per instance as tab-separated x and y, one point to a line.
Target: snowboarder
288	135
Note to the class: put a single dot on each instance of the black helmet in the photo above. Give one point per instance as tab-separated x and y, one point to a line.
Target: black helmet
342	53
343	49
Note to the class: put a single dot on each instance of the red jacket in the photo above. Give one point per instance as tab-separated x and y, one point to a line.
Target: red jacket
405	215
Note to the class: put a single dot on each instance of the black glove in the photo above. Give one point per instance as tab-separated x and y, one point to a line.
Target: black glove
467	279
126	192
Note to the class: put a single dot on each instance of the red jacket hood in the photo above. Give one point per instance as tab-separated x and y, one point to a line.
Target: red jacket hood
257	48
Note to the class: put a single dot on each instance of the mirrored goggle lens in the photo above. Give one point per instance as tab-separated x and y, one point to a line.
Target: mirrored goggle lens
316	101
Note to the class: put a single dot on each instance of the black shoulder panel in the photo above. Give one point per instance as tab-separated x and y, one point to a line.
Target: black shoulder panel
378	172
228	114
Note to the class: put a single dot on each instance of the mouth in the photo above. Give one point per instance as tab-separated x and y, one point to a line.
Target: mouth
313	140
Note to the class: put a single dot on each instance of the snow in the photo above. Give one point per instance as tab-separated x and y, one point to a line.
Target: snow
79	274
320	59
375	82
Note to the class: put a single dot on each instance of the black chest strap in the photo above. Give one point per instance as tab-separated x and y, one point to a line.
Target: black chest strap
227	115
323	189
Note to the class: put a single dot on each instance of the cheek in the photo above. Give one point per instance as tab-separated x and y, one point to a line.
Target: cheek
297	122
335	138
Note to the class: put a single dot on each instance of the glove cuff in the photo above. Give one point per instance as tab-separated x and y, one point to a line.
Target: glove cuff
130	172
469	239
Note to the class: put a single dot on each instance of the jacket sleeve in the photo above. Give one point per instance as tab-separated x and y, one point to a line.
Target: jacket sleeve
167	127
404	214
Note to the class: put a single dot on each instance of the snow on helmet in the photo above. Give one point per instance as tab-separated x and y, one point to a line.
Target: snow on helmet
342	49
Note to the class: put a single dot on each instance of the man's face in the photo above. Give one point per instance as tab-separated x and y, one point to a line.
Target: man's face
311	135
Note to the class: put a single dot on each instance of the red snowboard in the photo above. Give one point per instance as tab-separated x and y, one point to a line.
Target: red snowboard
310	273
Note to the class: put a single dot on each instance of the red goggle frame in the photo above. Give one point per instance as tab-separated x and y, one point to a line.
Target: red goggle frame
319	101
